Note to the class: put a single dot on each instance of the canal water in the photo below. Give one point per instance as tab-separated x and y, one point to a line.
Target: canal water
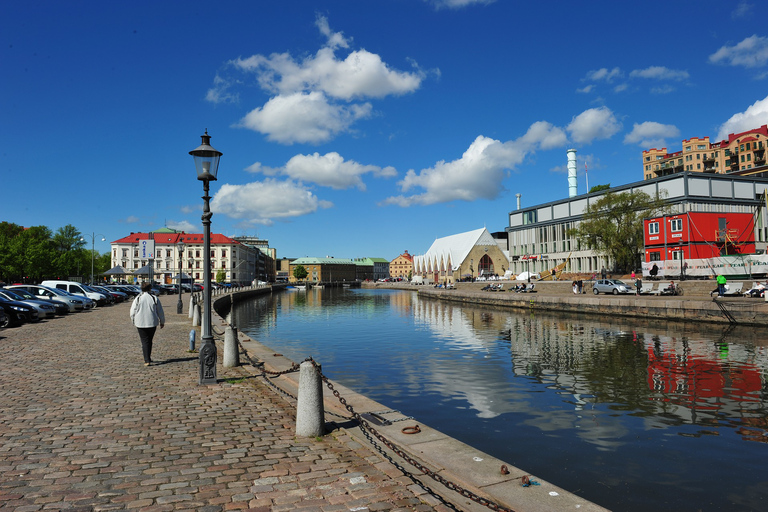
632	415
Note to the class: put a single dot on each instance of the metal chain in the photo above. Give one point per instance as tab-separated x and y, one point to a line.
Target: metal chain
447	483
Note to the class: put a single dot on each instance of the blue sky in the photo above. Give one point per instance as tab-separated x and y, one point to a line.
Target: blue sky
355	128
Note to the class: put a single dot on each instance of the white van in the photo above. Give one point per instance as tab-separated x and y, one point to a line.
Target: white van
76	288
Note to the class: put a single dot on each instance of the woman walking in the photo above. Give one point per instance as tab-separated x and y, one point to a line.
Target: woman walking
146	314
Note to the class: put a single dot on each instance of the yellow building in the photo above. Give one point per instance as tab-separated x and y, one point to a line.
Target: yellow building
402	266
741	153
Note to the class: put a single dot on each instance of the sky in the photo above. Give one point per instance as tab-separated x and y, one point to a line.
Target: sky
355	128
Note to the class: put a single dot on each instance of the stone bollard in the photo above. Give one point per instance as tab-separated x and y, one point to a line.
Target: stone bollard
231	352
197	318
192	334
310	413
191	305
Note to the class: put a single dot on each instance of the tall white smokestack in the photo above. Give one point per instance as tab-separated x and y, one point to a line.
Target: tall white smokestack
518	200
572	187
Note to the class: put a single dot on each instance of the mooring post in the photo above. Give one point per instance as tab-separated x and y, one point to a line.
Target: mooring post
231	353
192	303
310	413
192	334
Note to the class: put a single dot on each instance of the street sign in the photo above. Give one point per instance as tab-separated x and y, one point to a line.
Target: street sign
147	249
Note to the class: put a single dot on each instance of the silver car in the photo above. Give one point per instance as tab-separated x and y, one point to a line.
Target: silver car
614	286
45	293
44	309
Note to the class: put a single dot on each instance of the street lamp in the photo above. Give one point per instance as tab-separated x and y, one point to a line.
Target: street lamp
180	245
207	165
93	249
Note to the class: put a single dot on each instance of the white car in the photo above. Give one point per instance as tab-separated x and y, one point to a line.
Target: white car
78	289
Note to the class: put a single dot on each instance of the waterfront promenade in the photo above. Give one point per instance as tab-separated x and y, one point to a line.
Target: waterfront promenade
85	426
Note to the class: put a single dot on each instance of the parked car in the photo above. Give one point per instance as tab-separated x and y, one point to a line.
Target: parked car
3	318
44	309
17	313
77	289
614	286
117	296
126	289
53	294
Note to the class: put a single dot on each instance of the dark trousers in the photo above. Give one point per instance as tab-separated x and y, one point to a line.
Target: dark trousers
721	289
146	334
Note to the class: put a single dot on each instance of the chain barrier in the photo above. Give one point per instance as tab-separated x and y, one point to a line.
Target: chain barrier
400	453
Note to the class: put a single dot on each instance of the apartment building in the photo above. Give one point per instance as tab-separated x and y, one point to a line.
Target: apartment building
741	153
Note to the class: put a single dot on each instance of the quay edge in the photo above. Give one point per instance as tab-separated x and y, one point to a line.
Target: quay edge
695	306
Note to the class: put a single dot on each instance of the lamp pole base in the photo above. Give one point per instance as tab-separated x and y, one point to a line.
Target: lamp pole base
207	362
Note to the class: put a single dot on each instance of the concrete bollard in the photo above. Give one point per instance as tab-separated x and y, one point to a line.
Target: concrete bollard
310	412
231	352
197	318
191	305
192	334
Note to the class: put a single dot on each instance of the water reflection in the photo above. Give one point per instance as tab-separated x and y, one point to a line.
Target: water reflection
602	406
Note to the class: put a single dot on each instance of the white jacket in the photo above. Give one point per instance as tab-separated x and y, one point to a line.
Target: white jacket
146	311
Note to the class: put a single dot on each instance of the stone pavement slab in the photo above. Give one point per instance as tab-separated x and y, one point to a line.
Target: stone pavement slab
84	425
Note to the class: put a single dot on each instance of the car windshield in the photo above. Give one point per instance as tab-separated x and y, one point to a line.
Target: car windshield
618	283
12	296
23	293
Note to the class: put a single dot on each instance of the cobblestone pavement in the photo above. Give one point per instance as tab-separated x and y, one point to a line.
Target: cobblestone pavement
84	425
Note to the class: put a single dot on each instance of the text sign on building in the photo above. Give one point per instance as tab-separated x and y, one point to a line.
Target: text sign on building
147	249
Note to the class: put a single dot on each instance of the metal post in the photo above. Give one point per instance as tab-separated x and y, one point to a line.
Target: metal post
208	348
180	305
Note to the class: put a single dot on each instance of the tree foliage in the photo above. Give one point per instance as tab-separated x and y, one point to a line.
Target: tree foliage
35	253
221	276
599	188
300	273
613	225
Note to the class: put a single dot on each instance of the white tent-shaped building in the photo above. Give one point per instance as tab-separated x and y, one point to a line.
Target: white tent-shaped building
462	256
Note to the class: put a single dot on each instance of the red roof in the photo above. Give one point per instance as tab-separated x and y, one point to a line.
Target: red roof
174	238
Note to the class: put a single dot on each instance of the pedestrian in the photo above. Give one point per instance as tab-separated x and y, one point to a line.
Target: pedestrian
146	314
721	285
633	275
603	273
638	286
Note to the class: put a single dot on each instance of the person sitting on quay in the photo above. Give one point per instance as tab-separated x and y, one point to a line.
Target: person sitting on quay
757	290
669	290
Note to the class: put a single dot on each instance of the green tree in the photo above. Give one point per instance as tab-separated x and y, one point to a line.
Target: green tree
599	188
221	276
613	225
71	257
300	273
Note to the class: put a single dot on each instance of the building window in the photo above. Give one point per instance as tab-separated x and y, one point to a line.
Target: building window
654	256
701	146
677	255
653	228
676	225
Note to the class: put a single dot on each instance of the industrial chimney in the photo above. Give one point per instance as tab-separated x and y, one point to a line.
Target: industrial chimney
572	184
518	200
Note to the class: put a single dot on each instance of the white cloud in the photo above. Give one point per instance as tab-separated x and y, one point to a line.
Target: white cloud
329	170
479	173
183	225
265	201
318	97
742	10
586	89
306	118
752	52
457	4
595	123
664	89
755	116
604	75
660	73
651	134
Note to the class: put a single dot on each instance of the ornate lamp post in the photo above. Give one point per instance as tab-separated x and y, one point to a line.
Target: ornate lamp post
93	248
180	245
207	165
